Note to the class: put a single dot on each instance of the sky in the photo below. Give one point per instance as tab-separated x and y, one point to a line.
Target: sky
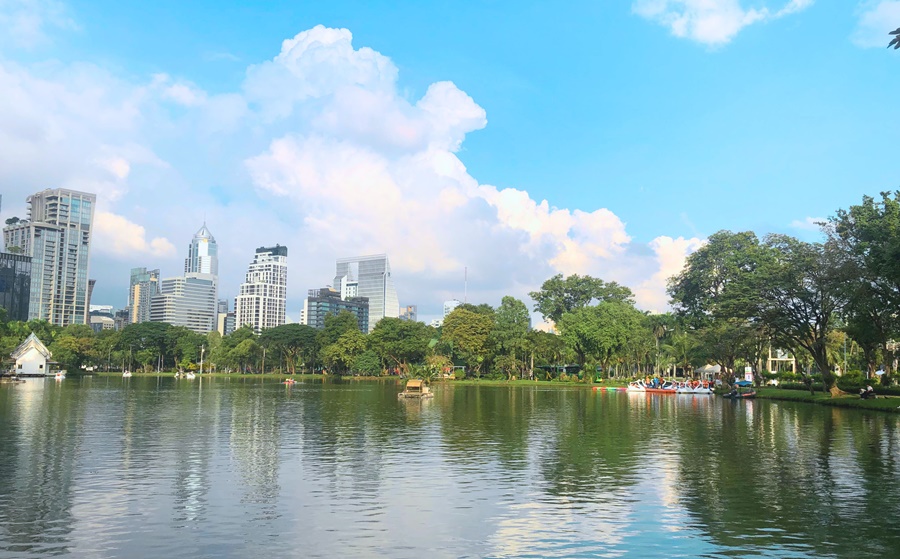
484	146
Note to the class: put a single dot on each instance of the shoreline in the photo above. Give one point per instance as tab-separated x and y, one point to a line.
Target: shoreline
884	404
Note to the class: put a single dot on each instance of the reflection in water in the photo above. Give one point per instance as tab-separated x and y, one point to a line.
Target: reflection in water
152	467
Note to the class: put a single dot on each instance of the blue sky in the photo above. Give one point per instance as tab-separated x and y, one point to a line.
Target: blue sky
438	130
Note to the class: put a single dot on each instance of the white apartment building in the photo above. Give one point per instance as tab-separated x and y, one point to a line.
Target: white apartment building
262	300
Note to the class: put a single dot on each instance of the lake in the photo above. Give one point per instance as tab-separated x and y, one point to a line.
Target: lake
159	467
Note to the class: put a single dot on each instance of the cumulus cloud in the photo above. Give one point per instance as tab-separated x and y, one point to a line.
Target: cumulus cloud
711	22
318	150
670	256
28	23
116	235
876	20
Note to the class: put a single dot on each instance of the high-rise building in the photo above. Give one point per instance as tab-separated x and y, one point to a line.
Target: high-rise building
327	301
225	324
372	278
15	285
57	236
144	286
188	301
203	254
263	296
409	312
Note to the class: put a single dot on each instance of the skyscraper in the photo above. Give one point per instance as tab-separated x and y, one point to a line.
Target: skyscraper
263	296
15	285
372	276
203	254
144	286
57	236
190	301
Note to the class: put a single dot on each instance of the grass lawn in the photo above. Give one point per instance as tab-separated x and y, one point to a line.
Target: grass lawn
882	403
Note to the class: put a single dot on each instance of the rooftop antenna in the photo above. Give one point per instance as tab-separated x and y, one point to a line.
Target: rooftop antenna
466	283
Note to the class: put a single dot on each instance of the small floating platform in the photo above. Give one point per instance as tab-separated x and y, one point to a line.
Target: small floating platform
416	388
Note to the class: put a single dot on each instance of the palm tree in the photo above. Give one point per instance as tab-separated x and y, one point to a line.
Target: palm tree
895	42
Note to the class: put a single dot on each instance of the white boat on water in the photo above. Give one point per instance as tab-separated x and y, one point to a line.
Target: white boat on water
189	376
660	388
695	387
126	374
60	375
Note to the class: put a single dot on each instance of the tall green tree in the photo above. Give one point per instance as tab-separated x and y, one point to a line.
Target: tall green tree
559	295
509	336
600	331
468	333
398	343
796	291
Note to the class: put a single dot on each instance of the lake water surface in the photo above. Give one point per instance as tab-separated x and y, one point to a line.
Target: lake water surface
159	467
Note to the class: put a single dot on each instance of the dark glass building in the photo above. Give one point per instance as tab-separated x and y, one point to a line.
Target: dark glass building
15	285
323	302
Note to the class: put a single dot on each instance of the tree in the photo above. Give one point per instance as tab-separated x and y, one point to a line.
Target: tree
400	342
340	355
509	336
796	291
869	233
895	42
559	295
337	325
468	333
292	341
600	331
700	290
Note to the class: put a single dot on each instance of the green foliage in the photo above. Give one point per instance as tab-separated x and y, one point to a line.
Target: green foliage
367	363
600	331
397	343
559	295
340	355
468	333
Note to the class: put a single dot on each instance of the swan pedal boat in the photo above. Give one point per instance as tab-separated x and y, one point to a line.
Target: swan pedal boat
693	388
640	386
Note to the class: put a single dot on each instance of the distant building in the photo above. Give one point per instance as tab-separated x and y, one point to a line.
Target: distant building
449	306
409	312
369	277
262	300
436	323
57	237
327	301
15	285
203	254
102	320
189	301
143	288
225	321
122	318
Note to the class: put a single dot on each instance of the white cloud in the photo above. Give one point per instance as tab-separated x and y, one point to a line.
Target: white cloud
876	20
808	224
671	255
317	150
711	22
27	23
116	235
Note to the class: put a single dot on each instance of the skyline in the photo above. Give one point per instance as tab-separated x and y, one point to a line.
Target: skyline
518	141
